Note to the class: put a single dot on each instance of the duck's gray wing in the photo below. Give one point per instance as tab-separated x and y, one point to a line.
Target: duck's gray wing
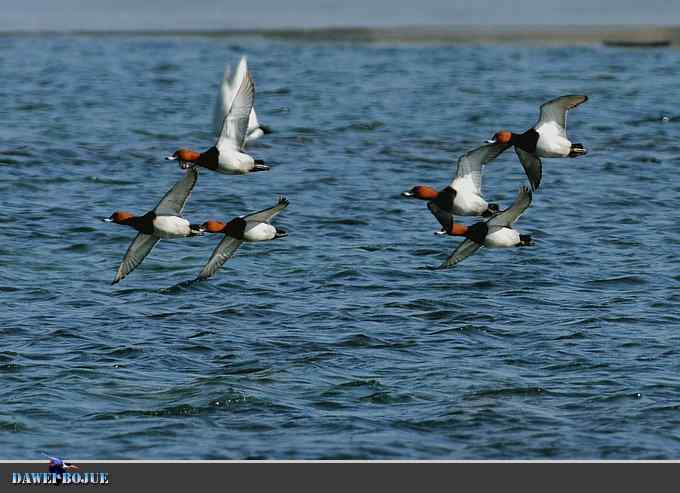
532	167
266	215
136	252
174	201
464	250
223	252
554	112
445	218
507	217
471	164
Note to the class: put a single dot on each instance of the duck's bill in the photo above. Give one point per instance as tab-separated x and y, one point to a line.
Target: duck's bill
490	141
440	232
171	158
107	220
407	194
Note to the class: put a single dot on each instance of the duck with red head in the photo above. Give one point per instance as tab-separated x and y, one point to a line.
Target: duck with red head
463	196
495	232
548	138
233	112
213	226
186	157
164	221
251	228
422	192
120	217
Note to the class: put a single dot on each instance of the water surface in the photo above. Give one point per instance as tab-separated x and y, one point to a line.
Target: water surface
339	341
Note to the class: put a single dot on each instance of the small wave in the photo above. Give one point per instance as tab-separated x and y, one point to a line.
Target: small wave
507	392
629	280
126	352
346	221
573	335
386	398
13	427
275	92
77	248
10	368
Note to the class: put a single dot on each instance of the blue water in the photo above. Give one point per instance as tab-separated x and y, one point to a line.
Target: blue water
339	341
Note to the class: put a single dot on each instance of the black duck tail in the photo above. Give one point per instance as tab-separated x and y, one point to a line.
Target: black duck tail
577	150
260	166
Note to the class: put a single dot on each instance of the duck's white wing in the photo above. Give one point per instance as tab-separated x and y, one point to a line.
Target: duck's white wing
507	217
136	252
235	125
532	167
174	201
464	250
470	166
554	113
225	94
223	252
266	215
253	123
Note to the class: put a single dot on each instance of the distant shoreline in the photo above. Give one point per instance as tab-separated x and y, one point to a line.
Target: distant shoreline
626	35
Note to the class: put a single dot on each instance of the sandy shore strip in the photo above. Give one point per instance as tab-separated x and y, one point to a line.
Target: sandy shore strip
623	35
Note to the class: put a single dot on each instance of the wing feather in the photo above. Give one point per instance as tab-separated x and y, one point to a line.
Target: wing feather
445	218
136	252
253	123
532	167
224	96
464	250
507	217
555	112
266	215
470	164
235	126
176	198
223	252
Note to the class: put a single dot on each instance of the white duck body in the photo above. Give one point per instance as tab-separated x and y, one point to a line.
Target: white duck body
501	237
168	227
551	141
467	201
257	231
468	180
231	161
234	113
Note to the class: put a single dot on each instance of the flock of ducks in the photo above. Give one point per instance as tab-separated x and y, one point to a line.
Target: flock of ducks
463	197
236	124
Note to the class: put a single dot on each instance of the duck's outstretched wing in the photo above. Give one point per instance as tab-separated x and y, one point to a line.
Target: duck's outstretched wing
253	123
223	252
507	217
554	112
235	124
532	167
471	165
225	95
136	252
266	215
174	201
445	218
464	250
